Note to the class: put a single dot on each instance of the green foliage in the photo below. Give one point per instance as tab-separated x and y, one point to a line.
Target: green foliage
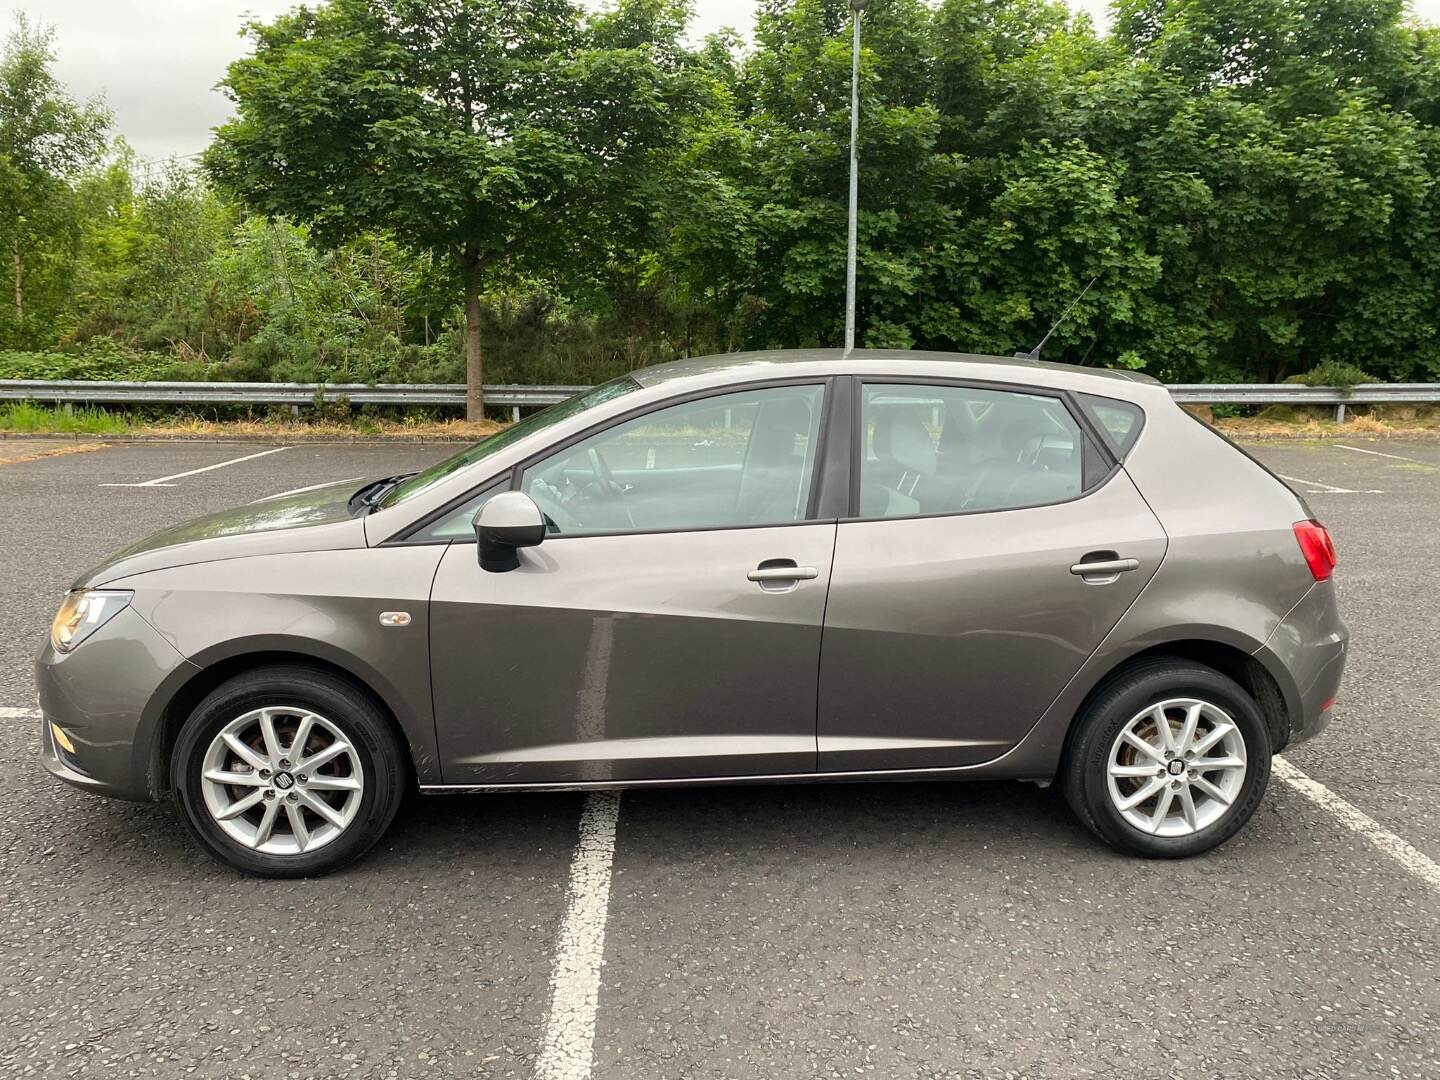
25	417
491	135
1255	188
102	359
45	140
1335	373
1279	414
148	276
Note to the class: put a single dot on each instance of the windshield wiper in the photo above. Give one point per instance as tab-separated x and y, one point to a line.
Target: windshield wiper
369	495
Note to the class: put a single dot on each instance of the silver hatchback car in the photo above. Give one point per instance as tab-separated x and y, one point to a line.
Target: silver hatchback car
785	566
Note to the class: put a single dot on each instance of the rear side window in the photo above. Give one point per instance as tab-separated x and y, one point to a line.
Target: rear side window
949	449
1120	420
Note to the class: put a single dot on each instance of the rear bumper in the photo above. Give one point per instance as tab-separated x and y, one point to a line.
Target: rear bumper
1310	646
101	696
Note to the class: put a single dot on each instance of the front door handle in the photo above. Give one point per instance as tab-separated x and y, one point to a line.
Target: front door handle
781	575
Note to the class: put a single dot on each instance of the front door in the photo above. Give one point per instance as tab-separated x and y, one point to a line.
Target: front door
669	625
959	607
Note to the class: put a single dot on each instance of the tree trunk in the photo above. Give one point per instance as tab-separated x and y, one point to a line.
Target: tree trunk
19	289
474	372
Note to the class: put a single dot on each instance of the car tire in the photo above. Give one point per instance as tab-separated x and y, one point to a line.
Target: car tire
1124	714
361	783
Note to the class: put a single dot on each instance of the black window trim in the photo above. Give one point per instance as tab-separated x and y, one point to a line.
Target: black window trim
1067	399
820	469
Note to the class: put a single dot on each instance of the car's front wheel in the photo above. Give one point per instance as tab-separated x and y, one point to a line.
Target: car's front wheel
287	772
1170	759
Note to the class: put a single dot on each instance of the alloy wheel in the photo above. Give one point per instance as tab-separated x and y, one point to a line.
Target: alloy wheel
1176	767
282	780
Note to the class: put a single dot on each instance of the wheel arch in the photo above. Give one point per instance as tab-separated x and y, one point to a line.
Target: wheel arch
1246	669
205	673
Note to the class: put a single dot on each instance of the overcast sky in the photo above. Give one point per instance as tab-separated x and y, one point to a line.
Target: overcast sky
156	62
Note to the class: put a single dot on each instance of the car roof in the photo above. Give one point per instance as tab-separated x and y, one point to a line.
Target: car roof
835	361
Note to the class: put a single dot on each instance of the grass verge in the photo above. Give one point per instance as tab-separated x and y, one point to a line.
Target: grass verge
25	417
1356	426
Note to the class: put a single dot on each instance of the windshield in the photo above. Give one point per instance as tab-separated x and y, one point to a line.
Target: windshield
423	481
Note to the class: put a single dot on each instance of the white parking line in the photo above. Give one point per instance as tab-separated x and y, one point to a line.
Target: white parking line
312	487
1377	453
565	1052
569	1038
1327	489
164	481
1412	859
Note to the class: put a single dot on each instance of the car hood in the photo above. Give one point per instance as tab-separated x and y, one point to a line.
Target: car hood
314	519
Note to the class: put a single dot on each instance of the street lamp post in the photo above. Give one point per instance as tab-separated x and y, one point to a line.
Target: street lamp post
856	7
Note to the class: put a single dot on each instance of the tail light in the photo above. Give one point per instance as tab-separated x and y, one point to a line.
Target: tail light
1317	547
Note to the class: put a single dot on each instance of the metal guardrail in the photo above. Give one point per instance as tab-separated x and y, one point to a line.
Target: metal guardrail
516	398
1291	394
296	395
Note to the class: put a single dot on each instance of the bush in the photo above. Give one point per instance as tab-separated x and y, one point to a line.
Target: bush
103	360
1337	373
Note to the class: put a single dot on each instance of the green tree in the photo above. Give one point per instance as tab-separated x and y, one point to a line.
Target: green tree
148	243
46	138
491	133
1292	203
769	180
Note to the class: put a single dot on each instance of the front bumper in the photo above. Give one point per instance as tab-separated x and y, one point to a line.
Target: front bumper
103	697
1310	646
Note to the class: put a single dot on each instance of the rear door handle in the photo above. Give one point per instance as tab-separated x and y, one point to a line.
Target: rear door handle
783	573
1104	568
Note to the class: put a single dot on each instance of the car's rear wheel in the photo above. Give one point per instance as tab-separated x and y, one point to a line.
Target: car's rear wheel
287	772
1170	759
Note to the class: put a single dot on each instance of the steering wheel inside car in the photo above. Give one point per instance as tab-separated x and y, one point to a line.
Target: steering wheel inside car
558	519
605	480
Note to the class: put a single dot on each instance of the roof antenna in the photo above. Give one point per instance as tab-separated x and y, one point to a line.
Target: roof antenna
1034	354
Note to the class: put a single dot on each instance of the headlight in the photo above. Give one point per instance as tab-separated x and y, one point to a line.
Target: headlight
83	612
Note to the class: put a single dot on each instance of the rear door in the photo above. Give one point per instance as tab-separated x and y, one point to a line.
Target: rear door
959	604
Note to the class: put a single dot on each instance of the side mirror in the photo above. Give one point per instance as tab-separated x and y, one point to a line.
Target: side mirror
509	521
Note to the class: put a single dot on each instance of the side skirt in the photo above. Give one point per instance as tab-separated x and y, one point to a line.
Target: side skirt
980	771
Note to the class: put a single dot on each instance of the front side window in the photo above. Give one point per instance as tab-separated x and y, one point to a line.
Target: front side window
952	449
459	523
729	461
523	429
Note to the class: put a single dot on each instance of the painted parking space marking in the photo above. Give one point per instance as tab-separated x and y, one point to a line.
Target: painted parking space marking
1356	820
569	1038
312	487
569	1035
1327	489
1381	453
165	481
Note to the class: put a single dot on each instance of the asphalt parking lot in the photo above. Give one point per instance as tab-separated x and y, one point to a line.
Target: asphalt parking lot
908	930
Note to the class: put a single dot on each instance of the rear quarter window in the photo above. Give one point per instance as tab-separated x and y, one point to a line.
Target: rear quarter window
1120	420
